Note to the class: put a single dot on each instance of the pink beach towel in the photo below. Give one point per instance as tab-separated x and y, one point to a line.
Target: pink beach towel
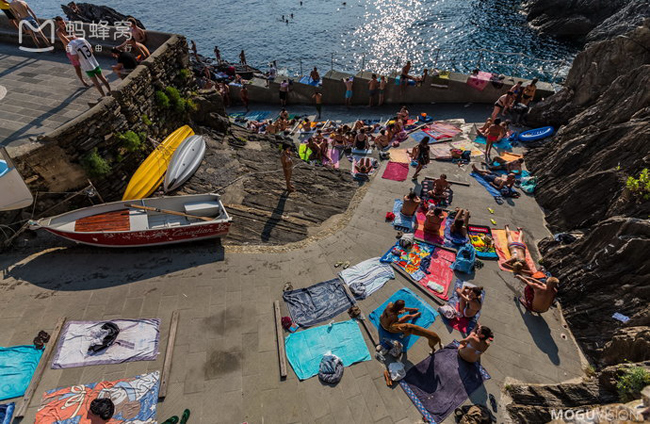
479	81
396	171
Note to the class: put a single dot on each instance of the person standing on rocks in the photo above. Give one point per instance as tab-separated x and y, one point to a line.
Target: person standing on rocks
373	85
348	91
538	296
82	51
314	75
243	95
318	98
217	54
287	165
284	92
528	94
63	35
242	58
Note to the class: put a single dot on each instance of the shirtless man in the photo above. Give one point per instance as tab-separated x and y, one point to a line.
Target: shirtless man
471	347
224	89
287	166
316	153
538	296
348	90
382	90
497	181
382	141
403	114
469	301
422	80
440	188
284	92
390	321
433	221
139	50
404	77
22	12
460	223
318	98
373	86
528	94
137	33
517	248
243	95
271	127
494	134
411	204
513	166
5	5
314	75
62	33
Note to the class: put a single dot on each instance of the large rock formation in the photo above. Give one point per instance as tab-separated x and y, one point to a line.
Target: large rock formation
87	12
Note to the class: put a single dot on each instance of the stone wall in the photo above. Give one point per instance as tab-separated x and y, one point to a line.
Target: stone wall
55	165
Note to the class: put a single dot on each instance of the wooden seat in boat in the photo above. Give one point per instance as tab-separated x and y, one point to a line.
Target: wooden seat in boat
109	221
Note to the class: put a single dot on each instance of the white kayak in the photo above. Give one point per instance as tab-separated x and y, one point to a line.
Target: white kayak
186	160
14	193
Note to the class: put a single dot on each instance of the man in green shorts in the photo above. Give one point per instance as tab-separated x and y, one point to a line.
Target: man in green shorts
81	50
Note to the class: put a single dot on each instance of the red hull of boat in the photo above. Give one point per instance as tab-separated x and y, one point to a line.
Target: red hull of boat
147	237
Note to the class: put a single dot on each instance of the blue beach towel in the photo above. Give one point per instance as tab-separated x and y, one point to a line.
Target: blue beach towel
317	303
6	412
371	274
402	222
307	80
503	144
453	302
257	115
17	366
418	135
412	301
360	152
452	239
305	349
490	188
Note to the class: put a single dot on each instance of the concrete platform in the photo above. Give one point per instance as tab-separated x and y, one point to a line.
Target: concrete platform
225	366
43	92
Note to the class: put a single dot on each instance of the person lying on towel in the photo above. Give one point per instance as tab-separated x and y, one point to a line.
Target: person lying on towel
538	296
411	204
469	301
441	189
513	166
455	155
433	221
364	165
517	248
390	321
502	183
472	347
461	221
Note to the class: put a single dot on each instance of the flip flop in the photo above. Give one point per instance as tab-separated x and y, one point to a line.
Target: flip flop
171	420
493	402
346	264
185	416
338	264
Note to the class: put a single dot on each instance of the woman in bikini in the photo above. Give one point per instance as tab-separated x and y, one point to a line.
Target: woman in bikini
361	140
470	301
338	139
382	141
461	221
517	248
473	346
502	105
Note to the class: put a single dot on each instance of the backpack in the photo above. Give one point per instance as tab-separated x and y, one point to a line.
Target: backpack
473	414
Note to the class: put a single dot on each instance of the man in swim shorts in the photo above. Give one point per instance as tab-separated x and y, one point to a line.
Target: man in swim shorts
382	90
318	98
391	322
62	33
494	134
538	296
373	86
284	92
23	12
314	75
497	181
404	77
82	51
348	91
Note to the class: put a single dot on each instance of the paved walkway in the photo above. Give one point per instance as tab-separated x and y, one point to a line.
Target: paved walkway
43	92
225	366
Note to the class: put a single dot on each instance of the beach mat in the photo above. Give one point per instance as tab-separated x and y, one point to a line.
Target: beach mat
402	222
135	401
489	187
409	260
442	382
360	152
371	274
418	136
136	341
7	412
476	233
17	366
412	301
305	349
501	247
317	303
396	171
464	325
439	272
399	155
258	115
426	236
335	157
479	81
503	144
452	239
466	145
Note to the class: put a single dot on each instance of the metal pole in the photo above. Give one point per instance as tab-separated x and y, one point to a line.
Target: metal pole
435	61
331	61
363	63
300	67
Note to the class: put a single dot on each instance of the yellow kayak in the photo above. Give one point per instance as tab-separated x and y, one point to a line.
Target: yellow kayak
151	172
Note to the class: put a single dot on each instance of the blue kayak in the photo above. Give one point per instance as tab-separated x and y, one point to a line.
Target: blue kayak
536	134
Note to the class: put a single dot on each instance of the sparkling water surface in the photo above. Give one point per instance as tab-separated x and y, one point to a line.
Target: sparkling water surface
361	34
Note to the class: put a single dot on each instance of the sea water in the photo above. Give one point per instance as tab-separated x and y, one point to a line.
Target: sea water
354	35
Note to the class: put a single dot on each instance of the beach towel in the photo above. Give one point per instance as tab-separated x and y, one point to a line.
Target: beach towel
258	115
7	412
476	234
412	301
452	239
489	187
399	155
307	80
360	152
479	81
466	145
441	132
304	152
439	274
442	382
334	157
362	175
17	366
305	349
426	236
410	260
402	222
135	400
426	186
464	325
503	144
418	136
371	274
396	171
136	341
501	247
317	303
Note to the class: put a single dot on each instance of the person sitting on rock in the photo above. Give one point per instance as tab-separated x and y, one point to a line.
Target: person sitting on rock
411	204
513	166
538	296
517	248
473	346
441	189
497	181
433	221
391	321
460	223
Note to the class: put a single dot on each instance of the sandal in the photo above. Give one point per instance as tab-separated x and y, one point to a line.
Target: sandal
185	416
287	287
338	264
346	264
171	420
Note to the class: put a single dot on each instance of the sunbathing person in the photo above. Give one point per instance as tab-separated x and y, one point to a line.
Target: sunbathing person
271	127
316	153
538	296
338	139
513	166
382	141
517	248
484	128
455	154
284	114
361	140
390	321
433	221
471	347
461	221
364	165
403	114
470	301
441	189
498	181
411	204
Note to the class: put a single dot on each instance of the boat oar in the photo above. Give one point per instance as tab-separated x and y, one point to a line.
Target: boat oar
168	212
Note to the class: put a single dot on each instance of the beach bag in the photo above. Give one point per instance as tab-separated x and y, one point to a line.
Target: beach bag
528	184
448	311
397	371
473	414
465	259
331	369
406	240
